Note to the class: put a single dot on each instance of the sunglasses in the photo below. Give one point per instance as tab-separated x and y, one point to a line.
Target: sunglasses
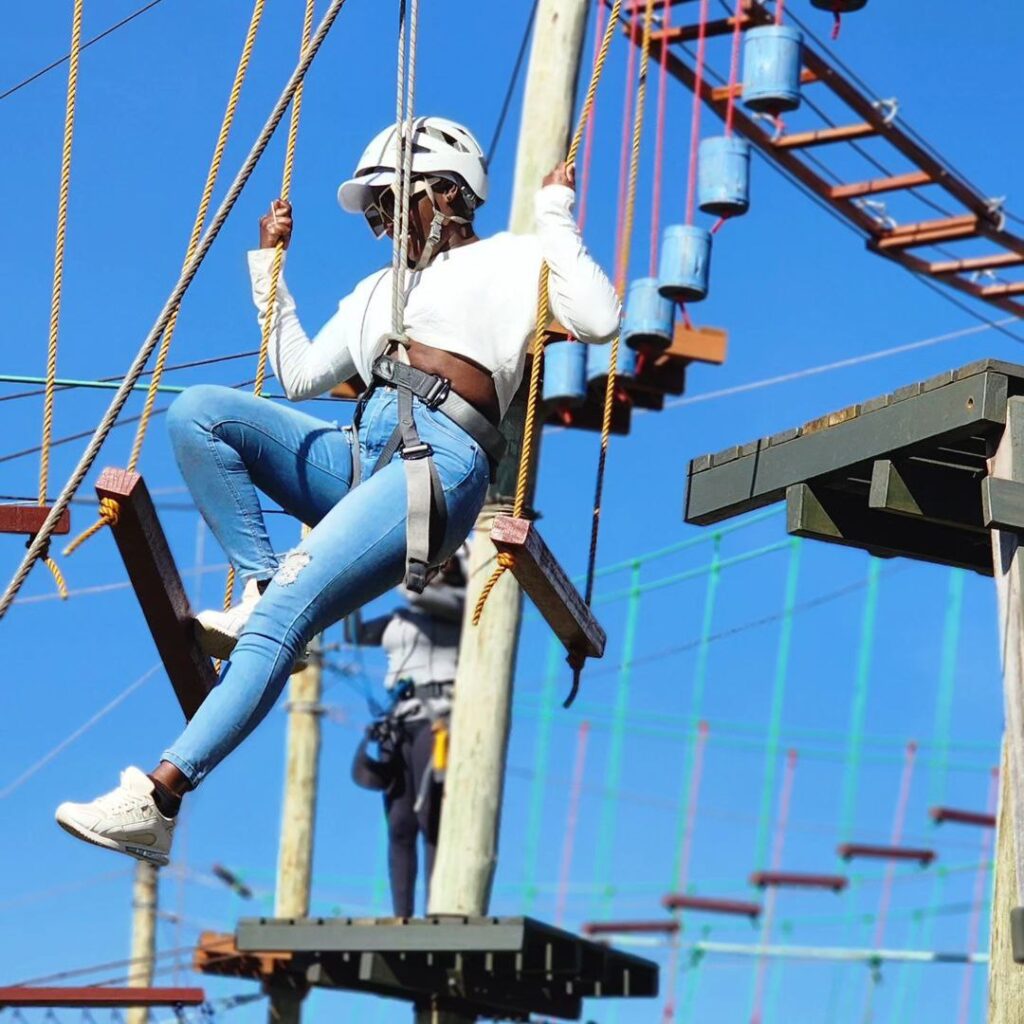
380	210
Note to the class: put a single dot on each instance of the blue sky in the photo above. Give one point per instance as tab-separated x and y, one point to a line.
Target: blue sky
795	290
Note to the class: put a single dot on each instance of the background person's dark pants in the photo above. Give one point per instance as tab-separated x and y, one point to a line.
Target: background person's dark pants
405	824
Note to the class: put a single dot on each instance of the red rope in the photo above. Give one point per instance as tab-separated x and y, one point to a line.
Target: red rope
627	121
588	138
837	20
691	187
779	5
718	225
659	141
687	322
734	66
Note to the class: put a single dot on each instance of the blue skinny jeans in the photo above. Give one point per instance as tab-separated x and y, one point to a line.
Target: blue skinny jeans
228	445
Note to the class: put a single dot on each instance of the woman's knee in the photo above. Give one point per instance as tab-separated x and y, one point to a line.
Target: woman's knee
198	409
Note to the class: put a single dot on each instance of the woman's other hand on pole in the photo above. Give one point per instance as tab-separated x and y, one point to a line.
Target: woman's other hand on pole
563	174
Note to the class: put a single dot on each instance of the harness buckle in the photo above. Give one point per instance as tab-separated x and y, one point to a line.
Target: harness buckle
417	451
438	393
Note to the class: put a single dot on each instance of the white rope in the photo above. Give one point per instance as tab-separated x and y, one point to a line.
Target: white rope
106	424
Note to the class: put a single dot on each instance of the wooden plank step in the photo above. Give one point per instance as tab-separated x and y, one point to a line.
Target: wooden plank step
875	186
924	857
994	261
548	586
825	136
960	817
929	232
688	33
710	905
29	519
666	926
157	583
721	93
1010	288
99	996
797	880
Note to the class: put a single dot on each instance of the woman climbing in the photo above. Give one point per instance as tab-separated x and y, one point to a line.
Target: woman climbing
397	492
422	643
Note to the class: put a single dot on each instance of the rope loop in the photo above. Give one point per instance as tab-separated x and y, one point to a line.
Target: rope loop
110	512
506	561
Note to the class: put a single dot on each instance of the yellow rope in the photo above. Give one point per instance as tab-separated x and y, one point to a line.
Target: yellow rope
197	230
505	559
275	270
620	285
58	259
286	188
58	273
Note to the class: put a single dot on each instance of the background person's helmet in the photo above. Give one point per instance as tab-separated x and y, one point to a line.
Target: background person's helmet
441	148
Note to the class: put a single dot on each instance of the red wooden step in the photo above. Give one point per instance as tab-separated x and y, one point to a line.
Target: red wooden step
942	814
797	880
923	856
706	904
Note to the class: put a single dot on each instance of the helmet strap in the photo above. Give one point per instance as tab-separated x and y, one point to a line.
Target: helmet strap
437	223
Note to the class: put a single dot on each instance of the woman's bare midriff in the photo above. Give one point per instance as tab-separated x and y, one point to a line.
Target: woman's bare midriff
471	381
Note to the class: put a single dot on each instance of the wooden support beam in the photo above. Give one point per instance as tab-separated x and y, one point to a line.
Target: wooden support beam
217	953
98	997
1009	288
154	576
721	93
548	586
993	261
1002	503
816	511
914	179
928	490
29	519
824	136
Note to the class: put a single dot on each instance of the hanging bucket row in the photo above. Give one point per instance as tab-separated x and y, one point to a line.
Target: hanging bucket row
571	367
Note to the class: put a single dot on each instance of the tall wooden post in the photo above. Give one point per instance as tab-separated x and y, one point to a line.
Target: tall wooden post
298	816
471	816
144	907
1006	978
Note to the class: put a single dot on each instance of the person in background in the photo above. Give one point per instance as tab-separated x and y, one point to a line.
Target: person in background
421	641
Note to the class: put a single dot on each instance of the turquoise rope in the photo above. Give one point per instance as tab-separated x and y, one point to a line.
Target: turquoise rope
602	860
691	983
771	756
539	785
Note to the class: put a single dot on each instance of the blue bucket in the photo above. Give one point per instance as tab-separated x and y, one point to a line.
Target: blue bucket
839	6
649	316
684	264
723	176
771	68
565	373
599	359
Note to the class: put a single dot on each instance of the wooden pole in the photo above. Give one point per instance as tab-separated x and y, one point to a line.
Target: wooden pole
471	816
298	816
1006	978
144	907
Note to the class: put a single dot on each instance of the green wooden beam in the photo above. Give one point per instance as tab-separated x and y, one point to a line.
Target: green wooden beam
1002	503
928	490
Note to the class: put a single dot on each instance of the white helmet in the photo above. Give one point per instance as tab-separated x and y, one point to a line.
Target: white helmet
441	148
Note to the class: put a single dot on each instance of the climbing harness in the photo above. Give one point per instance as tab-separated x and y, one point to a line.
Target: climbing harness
152	339
427	515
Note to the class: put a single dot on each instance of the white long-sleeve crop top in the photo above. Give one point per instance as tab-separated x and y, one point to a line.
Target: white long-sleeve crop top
478	301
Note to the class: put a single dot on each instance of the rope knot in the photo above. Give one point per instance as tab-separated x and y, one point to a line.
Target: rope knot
110	513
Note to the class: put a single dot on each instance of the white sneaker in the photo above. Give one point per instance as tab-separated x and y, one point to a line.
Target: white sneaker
126	820
218	631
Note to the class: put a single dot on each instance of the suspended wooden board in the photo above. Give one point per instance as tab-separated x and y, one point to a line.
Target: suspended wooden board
664	926
157	583
922	856
710	905
797	880
98	996
29	519
548	586
960	817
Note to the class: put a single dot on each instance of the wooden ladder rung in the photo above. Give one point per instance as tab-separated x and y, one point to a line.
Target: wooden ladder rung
548	586
994	261
721	93
996	290
154	577
929	232
877	185
29	519
688	33
825	136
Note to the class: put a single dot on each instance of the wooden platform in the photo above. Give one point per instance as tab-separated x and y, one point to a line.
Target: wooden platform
504	968
901	474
